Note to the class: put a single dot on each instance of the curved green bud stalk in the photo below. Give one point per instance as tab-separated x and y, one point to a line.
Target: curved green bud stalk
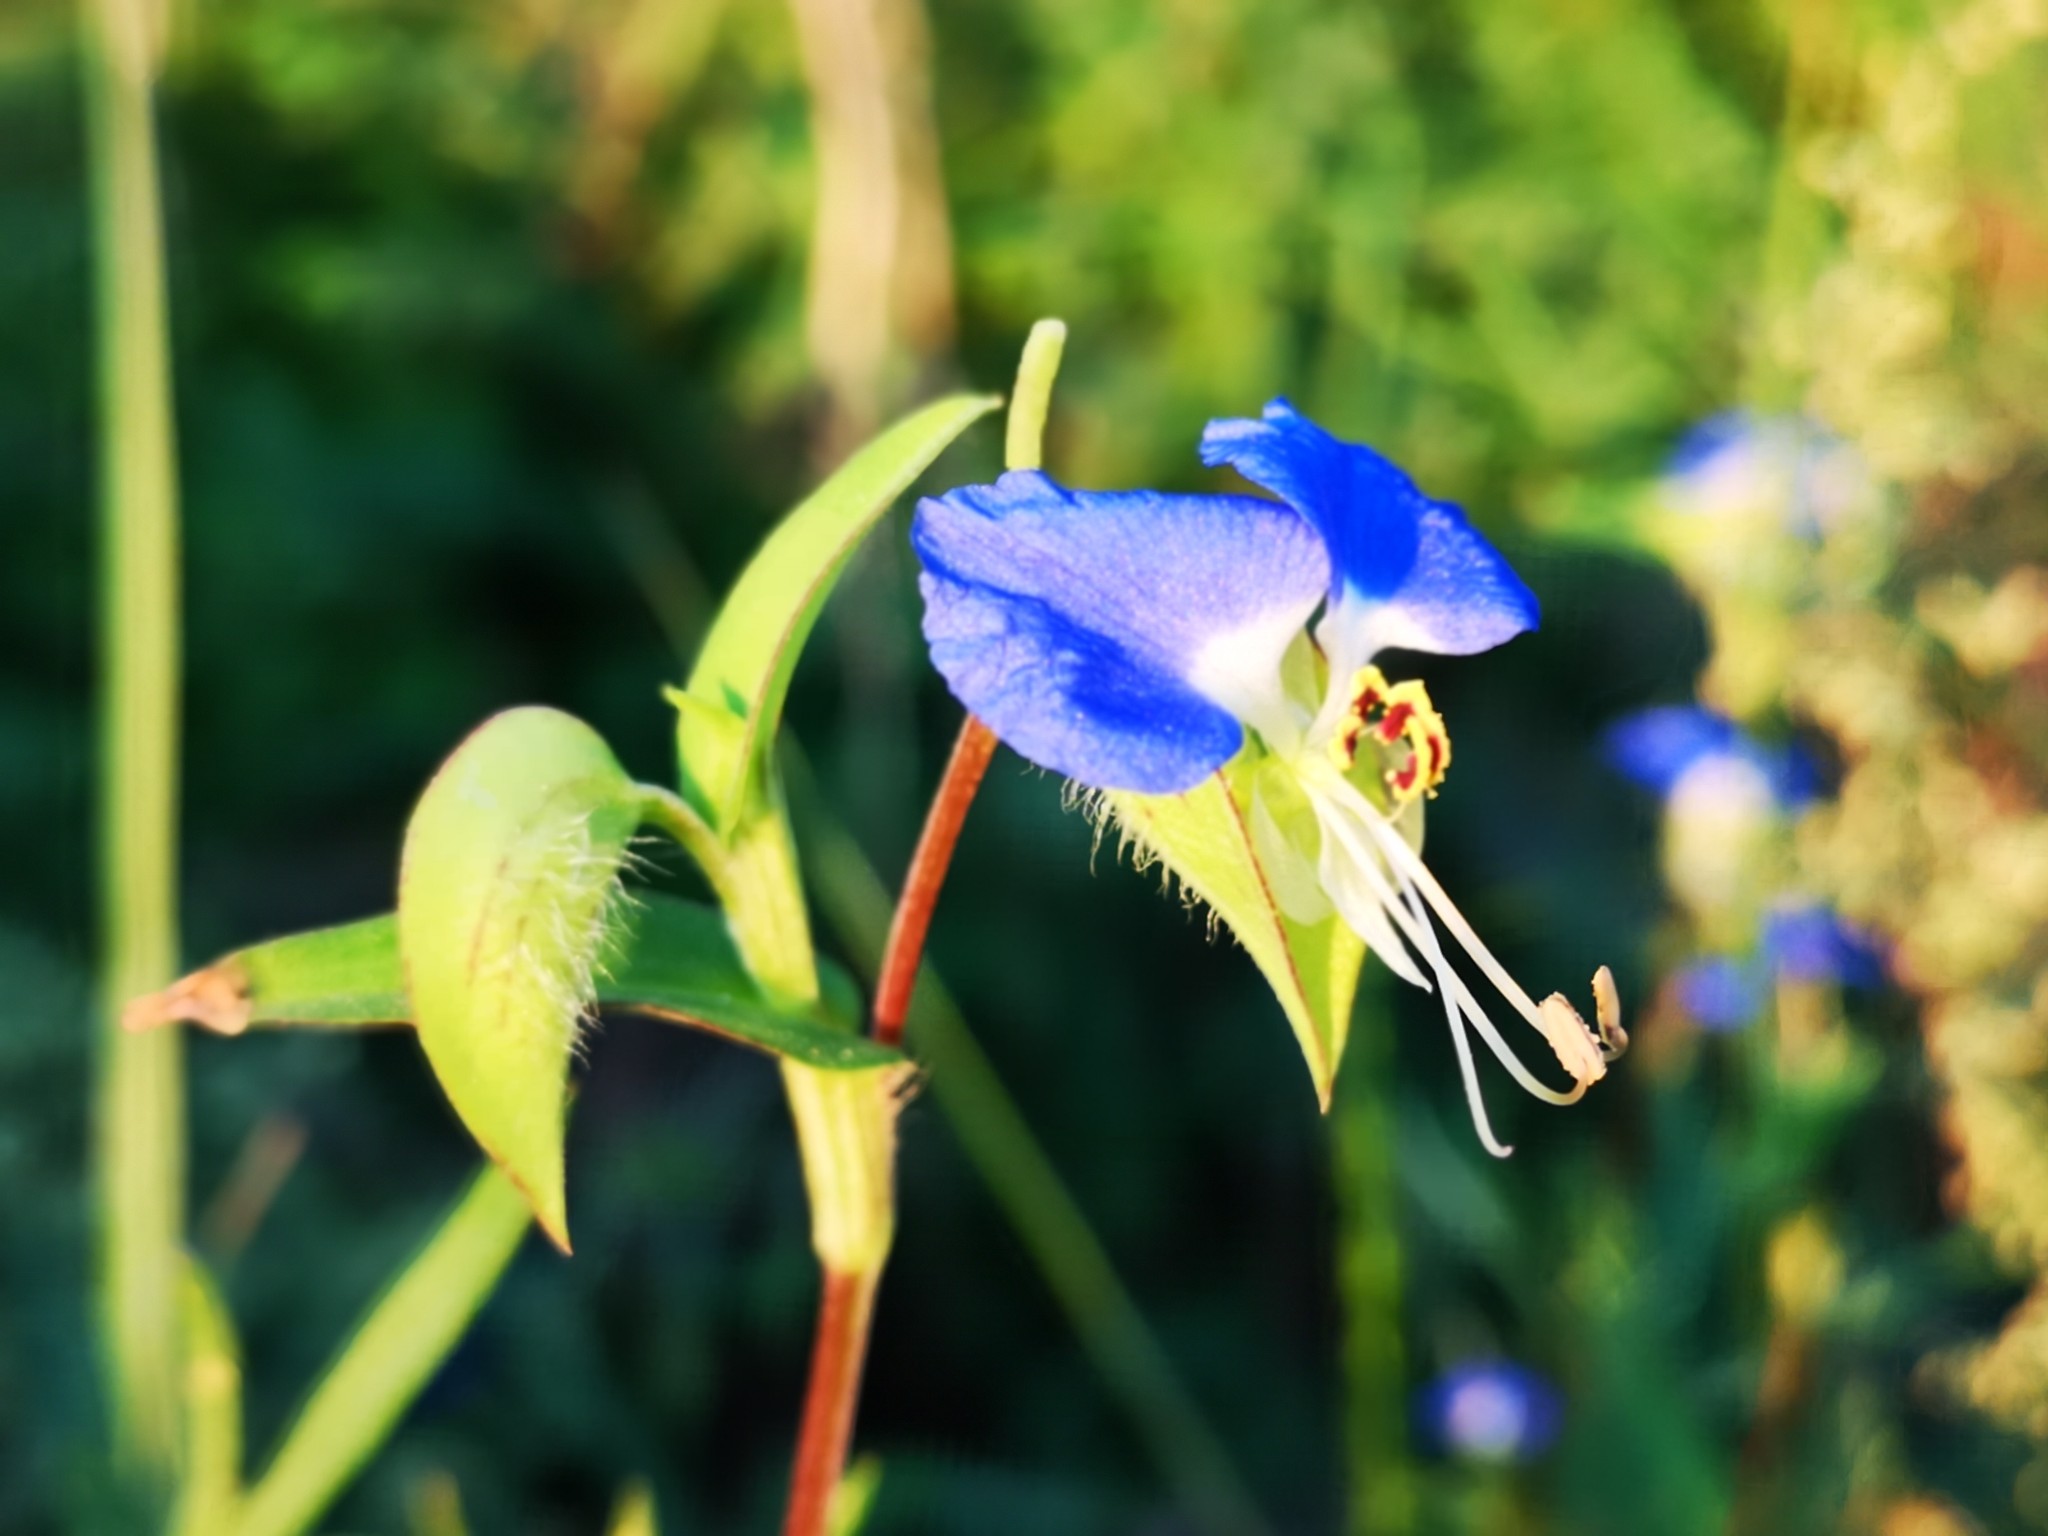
507	904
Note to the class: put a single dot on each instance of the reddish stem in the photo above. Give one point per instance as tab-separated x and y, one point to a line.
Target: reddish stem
972	750
847	1303
837	1356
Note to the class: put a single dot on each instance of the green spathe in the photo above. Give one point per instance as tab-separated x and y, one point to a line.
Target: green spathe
1208	837
505	909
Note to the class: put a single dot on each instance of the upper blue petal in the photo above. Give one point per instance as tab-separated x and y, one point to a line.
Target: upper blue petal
1656	746
1073	622
1405	570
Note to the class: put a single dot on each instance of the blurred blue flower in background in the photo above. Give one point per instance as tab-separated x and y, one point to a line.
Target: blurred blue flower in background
1720	993
1808	942
1801	942
1726	798
1675	749
1788	469
1490	1410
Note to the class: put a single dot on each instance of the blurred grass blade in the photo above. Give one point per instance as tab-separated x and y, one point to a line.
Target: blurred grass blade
1062	1245
633	1515
674	960
393	1353
854	1499
1380	1484
212	1479
434	1506
728	714
140	1109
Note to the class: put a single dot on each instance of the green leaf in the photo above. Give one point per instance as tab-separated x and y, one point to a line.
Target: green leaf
392	1354
507	899
728	714
1205	838
672	960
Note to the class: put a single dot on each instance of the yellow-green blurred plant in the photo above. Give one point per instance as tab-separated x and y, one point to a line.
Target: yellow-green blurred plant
1878	581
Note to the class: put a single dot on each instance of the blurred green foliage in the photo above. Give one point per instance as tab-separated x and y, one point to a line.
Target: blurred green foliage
499	343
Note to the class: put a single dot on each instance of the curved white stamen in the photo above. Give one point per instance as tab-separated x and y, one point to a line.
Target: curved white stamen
1366	911
1405	859
1414	924
1449	986
1504	1053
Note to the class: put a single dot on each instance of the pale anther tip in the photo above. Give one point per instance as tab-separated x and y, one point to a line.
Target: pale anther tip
1607	1009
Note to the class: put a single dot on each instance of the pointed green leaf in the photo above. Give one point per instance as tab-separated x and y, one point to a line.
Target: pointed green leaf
672	960
742	674
507	897
1205	838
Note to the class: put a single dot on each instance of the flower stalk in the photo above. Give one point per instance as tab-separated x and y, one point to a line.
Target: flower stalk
846	1122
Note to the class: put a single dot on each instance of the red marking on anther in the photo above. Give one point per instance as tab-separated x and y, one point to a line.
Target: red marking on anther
1394	723
1403	779
1436	757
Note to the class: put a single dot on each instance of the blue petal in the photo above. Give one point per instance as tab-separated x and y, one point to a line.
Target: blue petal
1085	626
1405	570
1655	747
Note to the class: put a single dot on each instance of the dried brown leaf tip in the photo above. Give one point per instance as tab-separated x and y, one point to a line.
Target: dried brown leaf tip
216	998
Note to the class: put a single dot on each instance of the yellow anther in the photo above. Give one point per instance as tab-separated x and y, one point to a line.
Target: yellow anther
1368	703
1394	715
1411	718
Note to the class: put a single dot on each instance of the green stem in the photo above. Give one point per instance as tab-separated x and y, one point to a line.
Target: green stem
1380	1478
140	1106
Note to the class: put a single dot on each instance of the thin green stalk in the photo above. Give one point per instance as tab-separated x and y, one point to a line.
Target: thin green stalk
390	1357
1379	1477
140	1107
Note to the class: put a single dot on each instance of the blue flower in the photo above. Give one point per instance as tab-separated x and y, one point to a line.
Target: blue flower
1137	642
1672	746
1720	993
1787	468
1491	1410
1807	942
